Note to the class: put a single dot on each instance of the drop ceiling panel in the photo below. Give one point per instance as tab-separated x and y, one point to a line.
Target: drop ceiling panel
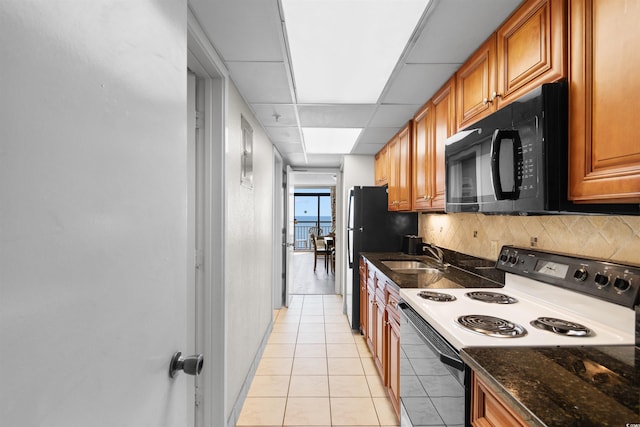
325	160
242	30
456	28
289	147
289	134
348	116
377	135
261	82
369	149
394	115
416	83
275	114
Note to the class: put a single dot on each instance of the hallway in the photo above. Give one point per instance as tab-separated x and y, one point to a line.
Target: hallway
316	372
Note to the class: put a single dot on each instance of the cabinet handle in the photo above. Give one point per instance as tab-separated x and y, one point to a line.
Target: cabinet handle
486	101
495	95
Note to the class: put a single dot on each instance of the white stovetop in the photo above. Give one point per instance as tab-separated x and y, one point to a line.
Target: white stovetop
610	324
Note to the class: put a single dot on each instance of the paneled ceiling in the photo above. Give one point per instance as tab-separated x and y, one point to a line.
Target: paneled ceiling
250	36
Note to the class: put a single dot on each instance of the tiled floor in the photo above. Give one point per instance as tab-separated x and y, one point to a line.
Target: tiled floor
316	372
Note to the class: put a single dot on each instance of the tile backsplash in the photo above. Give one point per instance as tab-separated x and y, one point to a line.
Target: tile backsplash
615	238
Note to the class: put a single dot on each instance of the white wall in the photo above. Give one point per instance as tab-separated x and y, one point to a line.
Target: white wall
92	212
249	245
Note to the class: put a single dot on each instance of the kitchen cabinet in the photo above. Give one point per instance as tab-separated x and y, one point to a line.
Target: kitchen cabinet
604	155
381	166
526	51
432	125
364	276
380	353
488	409
393	348
475	84
400	170
370	334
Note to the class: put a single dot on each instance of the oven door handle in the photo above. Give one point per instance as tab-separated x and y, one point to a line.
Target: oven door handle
446	353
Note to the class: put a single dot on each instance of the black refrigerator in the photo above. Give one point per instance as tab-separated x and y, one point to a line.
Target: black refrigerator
371	228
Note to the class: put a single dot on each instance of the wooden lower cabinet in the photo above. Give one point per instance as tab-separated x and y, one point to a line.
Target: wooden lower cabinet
364	276
489	410
381	327
393	349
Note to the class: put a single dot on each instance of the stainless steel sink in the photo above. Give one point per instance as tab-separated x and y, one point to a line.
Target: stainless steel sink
411	267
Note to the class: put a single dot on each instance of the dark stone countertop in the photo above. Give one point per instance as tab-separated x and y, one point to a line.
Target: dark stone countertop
461	271
564	386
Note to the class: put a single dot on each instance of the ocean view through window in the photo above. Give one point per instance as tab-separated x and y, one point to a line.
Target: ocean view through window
312	212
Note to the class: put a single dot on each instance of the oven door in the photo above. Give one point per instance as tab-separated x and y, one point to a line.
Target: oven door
432	376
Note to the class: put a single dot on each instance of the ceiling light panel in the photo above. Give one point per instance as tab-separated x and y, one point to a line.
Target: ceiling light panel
330	140
343	51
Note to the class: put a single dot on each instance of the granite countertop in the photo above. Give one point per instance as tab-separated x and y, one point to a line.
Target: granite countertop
461	271
564	386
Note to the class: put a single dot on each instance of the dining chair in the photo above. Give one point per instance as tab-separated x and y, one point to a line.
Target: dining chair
319	249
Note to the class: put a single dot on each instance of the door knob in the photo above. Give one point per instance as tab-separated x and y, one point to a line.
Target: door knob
191	365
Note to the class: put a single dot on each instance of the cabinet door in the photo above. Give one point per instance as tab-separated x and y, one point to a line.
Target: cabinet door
530	48
404	172
394	171
363	296
421	188
475	85
371	319
394	364
604	153
487	409
381	166
379	356
444	124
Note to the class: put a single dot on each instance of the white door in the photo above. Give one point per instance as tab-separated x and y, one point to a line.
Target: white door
290	233
92	213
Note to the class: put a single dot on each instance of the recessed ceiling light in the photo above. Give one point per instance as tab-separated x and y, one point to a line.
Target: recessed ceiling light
343	51
330	140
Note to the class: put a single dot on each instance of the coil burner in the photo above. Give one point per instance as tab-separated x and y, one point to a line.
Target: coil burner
492	326
436	296
561	327
492	297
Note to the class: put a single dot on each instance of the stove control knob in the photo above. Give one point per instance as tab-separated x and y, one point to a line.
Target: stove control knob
513	259
621	285
580	275
601	280
504	257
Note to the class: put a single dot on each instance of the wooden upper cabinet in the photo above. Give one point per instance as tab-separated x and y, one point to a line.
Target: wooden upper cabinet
444	120
422	156
400	170
604	83
432	125
381	166
526	51
475	84
530	49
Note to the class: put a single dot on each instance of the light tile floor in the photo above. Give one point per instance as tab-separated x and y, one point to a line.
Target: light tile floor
316	372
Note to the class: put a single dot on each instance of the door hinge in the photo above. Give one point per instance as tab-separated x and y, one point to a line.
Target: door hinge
199	259
199	120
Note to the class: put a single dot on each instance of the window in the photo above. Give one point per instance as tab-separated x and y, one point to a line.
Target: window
246	162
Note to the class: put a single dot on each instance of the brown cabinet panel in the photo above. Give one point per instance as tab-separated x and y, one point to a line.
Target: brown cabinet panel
400	170
604	155
475	84
432	125
423	168
364	276
488	410
381	166
530	48
444	119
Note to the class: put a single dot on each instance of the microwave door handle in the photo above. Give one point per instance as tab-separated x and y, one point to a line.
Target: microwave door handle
496	143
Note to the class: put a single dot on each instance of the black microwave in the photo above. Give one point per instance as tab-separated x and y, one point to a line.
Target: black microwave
515	160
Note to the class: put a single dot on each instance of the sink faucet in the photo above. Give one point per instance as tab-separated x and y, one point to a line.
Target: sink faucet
434	252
